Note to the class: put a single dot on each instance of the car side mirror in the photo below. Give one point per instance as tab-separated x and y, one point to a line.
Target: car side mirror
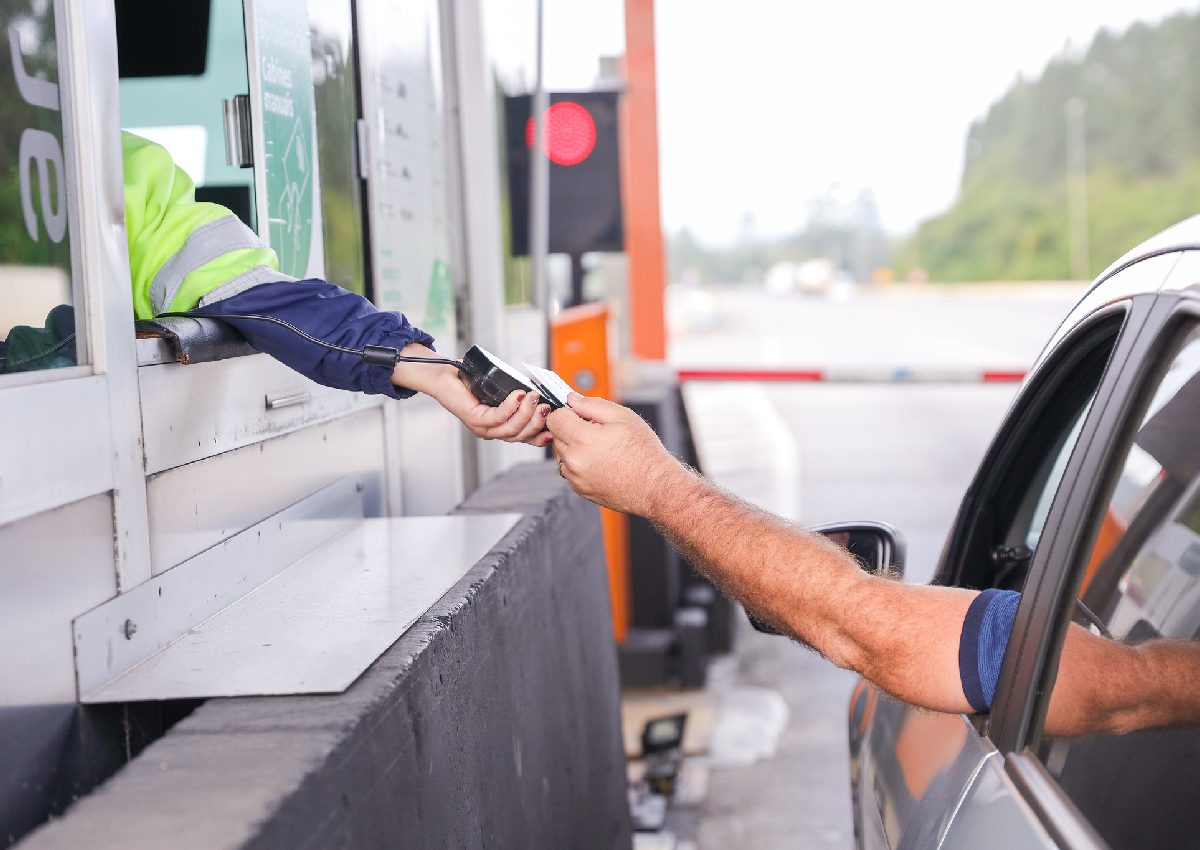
878	547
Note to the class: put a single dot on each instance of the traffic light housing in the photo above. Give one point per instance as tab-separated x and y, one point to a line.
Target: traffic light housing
580	136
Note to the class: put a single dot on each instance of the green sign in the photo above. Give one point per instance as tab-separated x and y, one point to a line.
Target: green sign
285	74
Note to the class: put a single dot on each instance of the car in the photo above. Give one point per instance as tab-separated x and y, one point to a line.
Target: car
1088	502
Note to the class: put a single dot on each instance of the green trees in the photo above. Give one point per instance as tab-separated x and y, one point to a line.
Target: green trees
1141	90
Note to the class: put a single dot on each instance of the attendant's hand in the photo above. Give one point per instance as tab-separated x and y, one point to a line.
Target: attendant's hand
518	419
610	456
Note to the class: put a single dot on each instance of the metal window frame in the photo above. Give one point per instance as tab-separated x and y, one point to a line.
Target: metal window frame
1057	814
1031	665
429	468
1029	674
474	202
1172	316
1018	772
86	428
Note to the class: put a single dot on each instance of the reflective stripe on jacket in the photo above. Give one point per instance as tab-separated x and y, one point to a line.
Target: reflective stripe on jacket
183	252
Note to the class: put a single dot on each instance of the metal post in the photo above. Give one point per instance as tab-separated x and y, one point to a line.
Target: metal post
1075	111
639	164
539	183
576	297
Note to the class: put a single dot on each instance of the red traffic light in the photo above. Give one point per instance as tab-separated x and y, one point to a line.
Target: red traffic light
569	131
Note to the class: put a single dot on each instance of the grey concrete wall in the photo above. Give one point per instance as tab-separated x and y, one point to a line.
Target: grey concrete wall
493	722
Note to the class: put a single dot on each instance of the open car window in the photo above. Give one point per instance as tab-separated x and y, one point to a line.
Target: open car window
1024	471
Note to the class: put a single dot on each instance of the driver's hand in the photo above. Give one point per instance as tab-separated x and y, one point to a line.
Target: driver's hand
610	456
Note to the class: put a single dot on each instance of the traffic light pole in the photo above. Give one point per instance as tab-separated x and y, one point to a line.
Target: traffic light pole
639	162
576	297
539	184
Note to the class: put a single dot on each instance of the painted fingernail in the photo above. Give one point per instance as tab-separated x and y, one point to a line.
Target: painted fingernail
520	397
544	411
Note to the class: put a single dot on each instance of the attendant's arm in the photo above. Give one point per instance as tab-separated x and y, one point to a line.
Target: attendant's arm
330	313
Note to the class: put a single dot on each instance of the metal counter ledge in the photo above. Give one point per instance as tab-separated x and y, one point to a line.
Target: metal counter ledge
492	722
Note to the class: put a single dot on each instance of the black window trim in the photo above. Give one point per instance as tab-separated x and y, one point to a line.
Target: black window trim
1145	355
1173	316
1016	700
1044	612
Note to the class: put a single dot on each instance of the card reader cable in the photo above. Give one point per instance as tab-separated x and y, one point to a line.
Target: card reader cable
489	378
375	355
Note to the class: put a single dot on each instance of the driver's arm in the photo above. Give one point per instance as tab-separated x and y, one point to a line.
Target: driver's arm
925	645
902	637
1104	685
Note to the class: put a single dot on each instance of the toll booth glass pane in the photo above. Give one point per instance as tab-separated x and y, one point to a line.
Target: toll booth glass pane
512	37
37	316
336	101
404	107
176	99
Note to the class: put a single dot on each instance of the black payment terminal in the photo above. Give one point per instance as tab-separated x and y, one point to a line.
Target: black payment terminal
490	378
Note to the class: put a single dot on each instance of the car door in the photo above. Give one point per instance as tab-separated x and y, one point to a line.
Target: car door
1130	534
913	773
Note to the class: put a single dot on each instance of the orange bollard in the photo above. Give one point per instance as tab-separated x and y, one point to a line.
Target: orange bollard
579	353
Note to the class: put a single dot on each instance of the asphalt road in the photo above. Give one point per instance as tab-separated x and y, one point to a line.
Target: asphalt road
986	326
903	453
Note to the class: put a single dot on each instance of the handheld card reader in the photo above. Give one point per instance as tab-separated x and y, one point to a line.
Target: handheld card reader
490	378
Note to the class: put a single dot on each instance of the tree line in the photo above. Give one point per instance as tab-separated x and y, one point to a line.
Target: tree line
1095	154
1136	152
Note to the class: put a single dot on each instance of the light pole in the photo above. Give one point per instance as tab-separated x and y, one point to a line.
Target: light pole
1075	111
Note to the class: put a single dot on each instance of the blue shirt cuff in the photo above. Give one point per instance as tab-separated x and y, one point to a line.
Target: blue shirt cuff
985	633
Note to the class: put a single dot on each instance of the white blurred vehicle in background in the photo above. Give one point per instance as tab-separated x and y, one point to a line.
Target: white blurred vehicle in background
807	277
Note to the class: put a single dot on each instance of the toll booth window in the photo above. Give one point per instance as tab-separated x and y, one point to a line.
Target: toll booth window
512	46
37	297
336	103
178	62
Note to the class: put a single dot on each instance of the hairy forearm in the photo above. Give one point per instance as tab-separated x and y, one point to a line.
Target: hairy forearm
1105	686
901	637
755	557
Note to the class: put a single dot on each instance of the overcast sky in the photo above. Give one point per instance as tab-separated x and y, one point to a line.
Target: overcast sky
763	103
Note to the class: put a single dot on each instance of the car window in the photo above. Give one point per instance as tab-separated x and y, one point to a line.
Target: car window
1141	581
1041	509
1026	466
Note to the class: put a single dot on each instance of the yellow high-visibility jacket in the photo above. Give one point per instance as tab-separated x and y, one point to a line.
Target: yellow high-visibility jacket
183	253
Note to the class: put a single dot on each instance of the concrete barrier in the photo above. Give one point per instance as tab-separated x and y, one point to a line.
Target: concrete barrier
493	722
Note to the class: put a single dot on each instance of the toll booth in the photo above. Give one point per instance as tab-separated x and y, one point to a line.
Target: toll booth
238	607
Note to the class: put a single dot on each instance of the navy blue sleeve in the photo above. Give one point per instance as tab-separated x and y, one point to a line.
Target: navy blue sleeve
985	633
327	312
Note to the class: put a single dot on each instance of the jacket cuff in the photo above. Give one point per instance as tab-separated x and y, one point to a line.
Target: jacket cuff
380	380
